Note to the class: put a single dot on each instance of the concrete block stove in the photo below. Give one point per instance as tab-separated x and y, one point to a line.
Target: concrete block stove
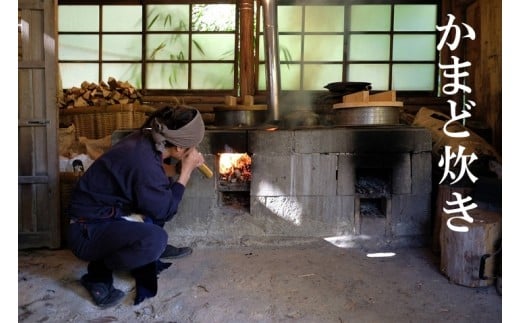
354	186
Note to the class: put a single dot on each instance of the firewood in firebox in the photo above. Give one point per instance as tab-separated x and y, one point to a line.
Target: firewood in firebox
237	175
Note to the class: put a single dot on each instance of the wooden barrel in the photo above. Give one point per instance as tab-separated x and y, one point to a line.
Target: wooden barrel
462	252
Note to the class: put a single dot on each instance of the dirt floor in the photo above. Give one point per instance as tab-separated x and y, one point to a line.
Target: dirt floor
315	282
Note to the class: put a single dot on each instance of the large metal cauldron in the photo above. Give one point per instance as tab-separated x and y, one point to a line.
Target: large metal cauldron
367	116
240	117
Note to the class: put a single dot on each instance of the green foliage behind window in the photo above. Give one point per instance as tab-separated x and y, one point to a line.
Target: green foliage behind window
184	47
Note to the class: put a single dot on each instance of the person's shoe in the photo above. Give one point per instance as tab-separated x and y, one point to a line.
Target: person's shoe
172	252
103	294
145	281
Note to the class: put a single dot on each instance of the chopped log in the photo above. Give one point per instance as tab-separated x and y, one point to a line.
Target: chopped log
85	84
127	86
80	102
75	91
462	252
103	94
112	82
116	95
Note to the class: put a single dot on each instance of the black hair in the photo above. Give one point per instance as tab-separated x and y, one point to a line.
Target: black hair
173	117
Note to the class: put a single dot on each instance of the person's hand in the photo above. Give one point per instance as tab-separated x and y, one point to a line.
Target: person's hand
191	160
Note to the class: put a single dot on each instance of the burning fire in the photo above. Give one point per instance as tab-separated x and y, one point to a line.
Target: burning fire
235	167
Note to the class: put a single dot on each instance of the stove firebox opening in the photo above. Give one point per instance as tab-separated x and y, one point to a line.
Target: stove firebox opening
372	207
234	180
373	199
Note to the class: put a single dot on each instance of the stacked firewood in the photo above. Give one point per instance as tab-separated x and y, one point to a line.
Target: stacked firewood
92	94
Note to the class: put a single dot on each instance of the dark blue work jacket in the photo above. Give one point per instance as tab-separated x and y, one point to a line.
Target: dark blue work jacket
128	178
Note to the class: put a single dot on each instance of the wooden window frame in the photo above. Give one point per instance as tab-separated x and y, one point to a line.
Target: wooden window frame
234	91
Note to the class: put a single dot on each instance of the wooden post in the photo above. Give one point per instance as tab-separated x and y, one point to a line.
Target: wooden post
246	48
462	252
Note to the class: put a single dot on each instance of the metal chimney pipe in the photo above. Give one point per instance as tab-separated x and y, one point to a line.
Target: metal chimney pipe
272	66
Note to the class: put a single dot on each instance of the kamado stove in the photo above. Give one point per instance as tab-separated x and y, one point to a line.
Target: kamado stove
371	184
365	177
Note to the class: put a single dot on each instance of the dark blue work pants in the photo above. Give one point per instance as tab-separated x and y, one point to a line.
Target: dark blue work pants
119	244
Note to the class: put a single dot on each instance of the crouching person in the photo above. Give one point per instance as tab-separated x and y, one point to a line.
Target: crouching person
120	205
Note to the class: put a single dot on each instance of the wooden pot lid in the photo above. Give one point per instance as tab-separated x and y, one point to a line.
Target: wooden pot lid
364	99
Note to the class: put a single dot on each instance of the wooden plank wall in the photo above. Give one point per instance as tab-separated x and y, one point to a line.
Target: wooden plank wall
486	18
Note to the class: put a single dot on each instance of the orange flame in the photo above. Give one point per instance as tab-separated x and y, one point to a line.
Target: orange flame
230	162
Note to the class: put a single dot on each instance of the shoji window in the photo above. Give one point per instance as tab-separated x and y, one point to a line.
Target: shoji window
386	43
180	46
